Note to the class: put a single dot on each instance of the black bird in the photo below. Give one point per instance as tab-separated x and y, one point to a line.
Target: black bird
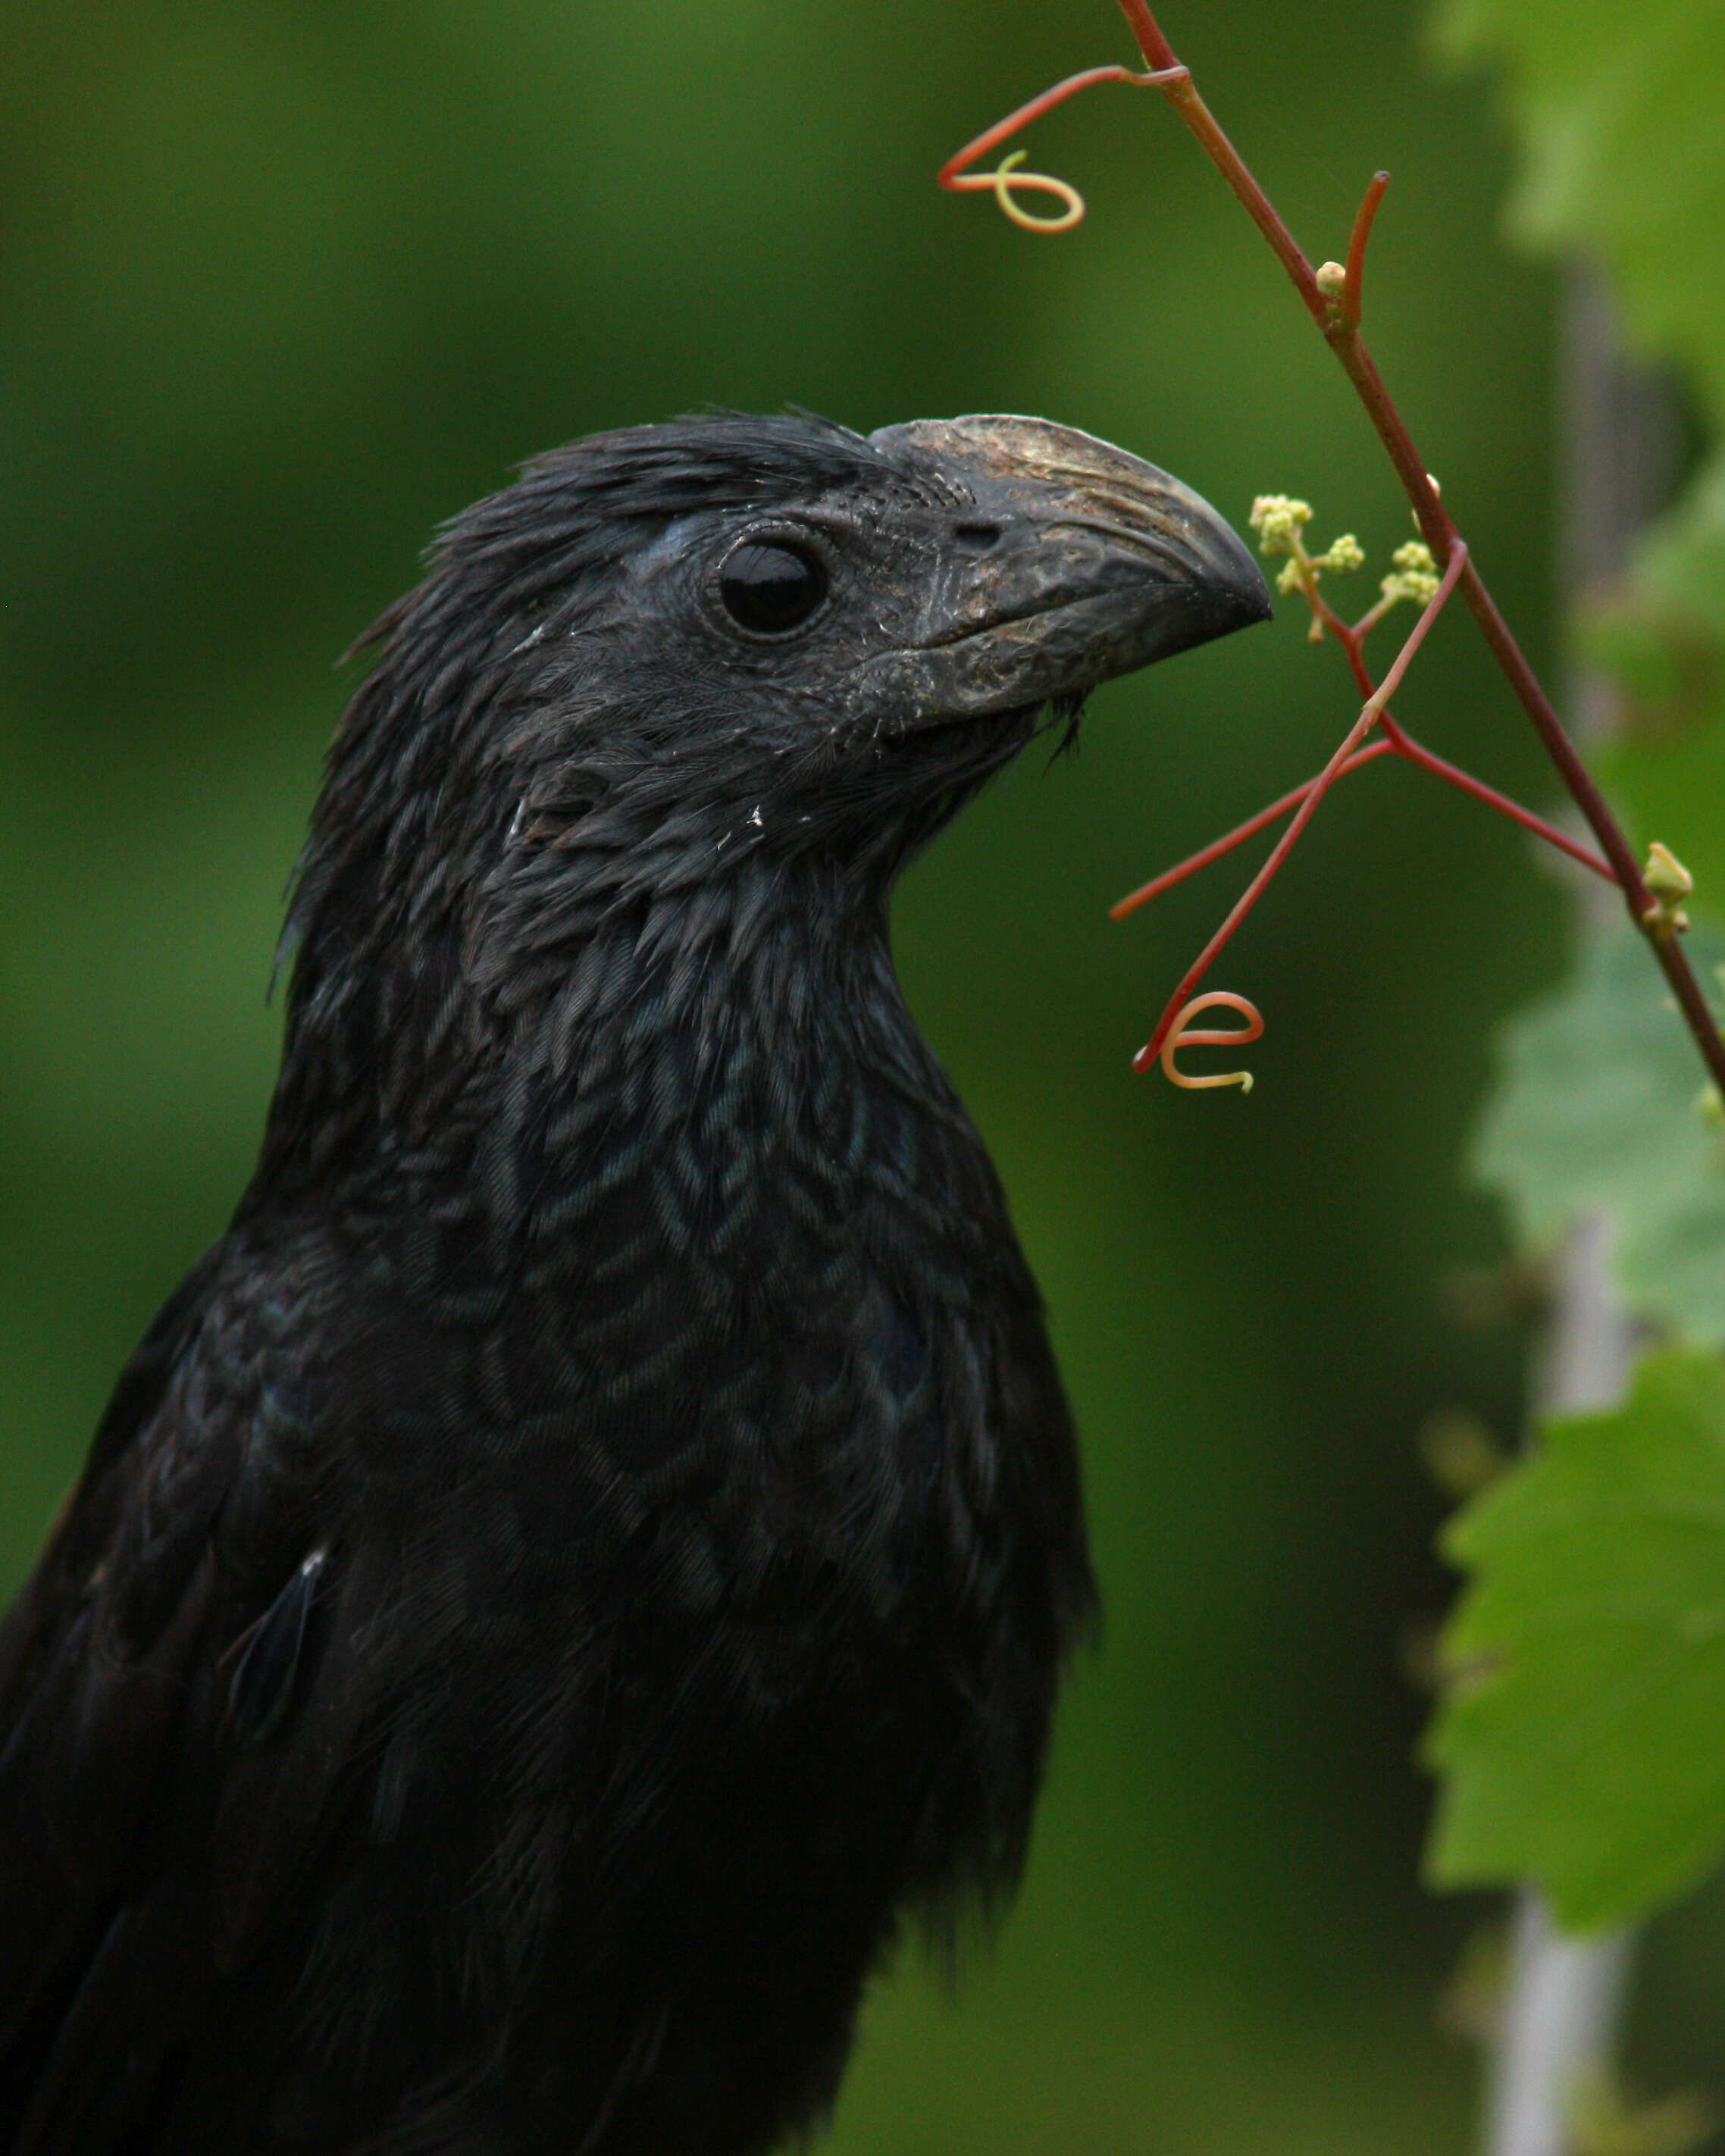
593	1546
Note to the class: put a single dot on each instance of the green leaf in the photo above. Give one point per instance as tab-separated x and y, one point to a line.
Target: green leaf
1582	1742
1622	153
1596	1111
1623	160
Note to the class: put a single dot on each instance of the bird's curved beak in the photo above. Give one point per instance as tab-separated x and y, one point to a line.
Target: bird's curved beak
1072	561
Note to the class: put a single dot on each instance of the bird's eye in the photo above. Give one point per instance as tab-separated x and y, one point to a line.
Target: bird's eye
770	588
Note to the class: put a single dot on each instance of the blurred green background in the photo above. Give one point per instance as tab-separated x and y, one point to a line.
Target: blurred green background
282	283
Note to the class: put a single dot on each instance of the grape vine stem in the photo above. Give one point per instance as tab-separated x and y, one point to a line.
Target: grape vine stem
1338	320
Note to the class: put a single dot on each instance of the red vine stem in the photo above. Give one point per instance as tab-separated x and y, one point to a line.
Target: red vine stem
1352	639
1237	837
1314	792
1339	323
1353	292
1416	753
1396	742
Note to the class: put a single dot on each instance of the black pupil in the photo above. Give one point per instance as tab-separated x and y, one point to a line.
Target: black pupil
770	588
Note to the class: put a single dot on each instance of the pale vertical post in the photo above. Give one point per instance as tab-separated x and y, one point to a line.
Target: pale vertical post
1564	1999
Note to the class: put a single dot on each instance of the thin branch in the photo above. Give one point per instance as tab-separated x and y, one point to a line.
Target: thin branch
1396	742
1314	793
1181	93
1415	752
1336	314
1351	637
1440	532
1354	291
1421	629
1237	837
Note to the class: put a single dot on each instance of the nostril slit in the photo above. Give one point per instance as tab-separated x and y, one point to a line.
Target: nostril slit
976	538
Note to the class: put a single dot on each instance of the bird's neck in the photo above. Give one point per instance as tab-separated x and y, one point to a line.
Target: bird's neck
728	1004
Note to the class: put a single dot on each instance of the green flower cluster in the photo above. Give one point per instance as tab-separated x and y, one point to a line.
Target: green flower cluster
1416	576
1280	521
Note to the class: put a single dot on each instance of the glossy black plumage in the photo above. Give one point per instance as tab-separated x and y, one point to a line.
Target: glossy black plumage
594	1545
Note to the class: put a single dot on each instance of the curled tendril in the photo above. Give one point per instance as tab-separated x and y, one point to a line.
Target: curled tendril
1006	176
1211	1037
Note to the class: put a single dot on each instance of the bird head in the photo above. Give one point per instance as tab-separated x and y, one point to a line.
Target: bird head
672	656
752	636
